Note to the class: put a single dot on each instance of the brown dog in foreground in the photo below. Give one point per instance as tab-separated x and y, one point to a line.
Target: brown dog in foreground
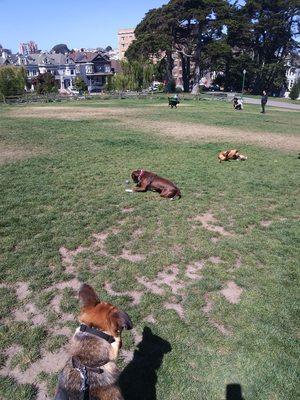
231	155
146	180
91	372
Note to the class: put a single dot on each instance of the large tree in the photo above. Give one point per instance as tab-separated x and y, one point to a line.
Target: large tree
61	48
261	35
183	26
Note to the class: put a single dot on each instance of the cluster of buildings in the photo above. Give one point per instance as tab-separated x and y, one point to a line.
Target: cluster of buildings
95	66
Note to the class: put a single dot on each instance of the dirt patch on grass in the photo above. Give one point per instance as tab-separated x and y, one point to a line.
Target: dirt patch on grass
210	134
11	153
176	307
192	271
69	113
22	290
265	223
135	118
208	220
127	255
207	309
232	292
134	295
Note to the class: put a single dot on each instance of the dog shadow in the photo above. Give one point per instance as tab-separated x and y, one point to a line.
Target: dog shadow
138	379
234	392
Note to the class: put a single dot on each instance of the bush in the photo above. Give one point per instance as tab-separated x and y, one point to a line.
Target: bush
12	81
45	83
178	89
295	91
80	84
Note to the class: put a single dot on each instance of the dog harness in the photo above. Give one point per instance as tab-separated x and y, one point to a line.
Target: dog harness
83	369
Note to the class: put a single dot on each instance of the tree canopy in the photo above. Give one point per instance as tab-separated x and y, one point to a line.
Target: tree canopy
60	48
221	35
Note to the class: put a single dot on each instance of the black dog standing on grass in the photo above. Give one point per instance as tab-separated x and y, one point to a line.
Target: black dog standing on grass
264	100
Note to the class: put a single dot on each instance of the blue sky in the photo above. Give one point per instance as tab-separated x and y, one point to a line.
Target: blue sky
90	23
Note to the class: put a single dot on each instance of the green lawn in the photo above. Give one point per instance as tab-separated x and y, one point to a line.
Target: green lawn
221	264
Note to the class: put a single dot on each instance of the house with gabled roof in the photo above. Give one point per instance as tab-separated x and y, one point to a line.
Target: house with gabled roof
94	68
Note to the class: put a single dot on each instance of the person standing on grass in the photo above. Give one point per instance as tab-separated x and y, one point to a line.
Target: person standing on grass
264	99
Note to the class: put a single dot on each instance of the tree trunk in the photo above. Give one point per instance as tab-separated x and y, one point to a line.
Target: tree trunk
185	64
170	65
198	51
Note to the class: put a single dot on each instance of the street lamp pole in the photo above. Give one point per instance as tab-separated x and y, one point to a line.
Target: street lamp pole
244	74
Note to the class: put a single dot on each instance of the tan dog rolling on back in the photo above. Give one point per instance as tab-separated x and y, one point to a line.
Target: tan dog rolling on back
91	372
231	155
146	180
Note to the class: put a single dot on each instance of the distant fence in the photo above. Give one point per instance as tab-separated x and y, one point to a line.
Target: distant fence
51	98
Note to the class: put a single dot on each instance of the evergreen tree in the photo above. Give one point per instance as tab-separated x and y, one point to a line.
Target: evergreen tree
295	91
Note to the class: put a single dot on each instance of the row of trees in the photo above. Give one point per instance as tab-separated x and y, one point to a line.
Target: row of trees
13	81
221	35
136	75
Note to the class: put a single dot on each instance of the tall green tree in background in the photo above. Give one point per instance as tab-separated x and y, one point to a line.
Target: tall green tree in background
136	75
221	35
12	81
262	35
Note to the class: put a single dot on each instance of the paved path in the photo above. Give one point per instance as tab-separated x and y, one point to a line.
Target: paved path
273	103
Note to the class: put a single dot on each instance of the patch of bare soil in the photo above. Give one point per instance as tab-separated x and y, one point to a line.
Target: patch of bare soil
69	113
127	210
232	292
22	290
176	307
207	220
10	153
210	134
150	318
48	363
127	255
221	328
192	271
167	277
207	308
134	295
28	313
265	223
215	260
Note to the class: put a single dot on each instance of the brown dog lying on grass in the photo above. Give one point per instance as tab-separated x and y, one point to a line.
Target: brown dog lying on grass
91	372
146	180
231	155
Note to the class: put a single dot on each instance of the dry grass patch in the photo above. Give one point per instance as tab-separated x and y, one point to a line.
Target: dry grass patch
69	113
10	153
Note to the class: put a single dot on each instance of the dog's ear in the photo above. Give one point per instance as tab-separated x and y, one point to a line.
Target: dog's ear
121	321
87	296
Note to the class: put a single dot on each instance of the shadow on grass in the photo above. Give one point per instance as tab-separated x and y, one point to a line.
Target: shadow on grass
234	392
138	380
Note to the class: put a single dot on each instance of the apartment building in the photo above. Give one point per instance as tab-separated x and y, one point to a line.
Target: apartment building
125	38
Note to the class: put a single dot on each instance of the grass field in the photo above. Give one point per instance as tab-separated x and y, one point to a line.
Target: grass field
210	280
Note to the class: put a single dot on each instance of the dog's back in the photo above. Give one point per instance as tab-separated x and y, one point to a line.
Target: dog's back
91	372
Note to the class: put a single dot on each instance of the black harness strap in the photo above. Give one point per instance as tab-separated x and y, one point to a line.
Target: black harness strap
94	331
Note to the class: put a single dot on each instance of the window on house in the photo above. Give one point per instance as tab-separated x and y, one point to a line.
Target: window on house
72	71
